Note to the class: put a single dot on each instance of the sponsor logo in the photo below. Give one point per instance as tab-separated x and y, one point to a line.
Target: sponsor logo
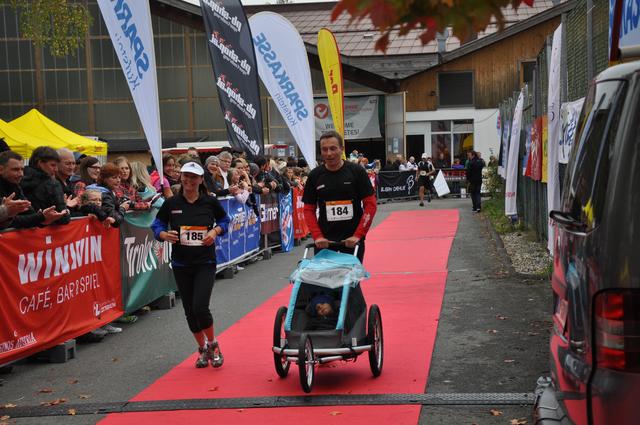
242	135
281	78
134	67
145	256
233	93
99	308
321	111
229	54
18	342
54	262
221	12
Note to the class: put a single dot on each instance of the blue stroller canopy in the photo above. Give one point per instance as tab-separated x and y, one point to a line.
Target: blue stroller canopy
330	269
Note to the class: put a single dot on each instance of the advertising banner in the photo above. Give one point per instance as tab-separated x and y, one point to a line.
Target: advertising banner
236	75
534	165
554	125
396	184
56	283
511	185
243	236
145	264
569	114
300	229
286	221
332	70
504	149
361	117
269	212
284	70
624	29
129	25
527	146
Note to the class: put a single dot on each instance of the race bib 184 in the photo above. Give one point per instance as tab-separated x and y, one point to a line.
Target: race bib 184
192	235
339	210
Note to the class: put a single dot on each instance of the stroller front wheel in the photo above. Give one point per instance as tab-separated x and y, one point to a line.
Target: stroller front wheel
306	363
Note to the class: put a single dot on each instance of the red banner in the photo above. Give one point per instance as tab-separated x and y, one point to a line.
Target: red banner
56	283
300	227
534	164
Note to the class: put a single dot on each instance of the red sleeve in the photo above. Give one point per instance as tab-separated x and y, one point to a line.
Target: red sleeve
312	221
370	207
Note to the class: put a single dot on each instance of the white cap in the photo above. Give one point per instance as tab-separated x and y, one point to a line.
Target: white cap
192	167
424	155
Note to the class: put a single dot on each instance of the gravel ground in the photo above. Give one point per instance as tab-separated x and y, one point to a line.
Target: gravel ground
527	257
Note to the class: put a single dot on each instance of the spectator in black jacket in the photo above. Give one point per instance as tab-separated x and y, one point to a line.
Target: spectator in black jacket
40	185
11	173
267	178
474	177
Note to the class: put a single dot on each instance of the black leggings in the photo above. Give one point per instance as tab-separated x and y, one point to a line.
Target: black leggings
195	284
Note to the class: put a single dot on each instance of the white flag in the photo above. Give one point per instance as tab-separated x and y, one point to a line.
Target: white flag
511	186
284	70
440	184
129	25
554	126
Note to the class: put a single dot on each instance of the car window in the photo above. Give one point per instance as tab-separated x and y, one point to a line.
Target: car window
589	166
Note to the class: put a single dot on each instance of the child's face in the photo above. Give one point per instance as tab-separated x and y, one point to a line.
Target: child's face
94	199
323	309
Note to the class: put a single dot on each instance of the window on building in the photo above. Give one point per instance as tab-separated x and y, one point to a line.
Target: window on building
455	89
526	72
450	141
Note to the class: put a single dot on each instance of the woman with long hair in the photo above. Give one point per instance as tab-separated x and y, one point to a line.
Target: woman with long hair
168	167
127	190
89	171
191	221
141	181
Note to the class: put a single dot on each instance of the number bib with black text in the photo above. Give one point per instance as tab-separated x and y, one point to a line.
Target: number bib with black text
192	235
339	210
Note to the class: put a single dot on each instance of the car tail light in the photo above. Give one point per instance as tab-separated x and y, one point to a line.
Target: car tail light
617	342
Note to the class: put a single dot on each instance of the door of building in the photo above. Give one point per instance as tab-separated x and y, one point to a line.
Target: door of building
415	146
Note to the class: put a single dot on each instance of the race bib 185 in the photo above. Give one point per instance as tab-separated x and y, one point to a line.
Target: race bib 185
339	210
192	235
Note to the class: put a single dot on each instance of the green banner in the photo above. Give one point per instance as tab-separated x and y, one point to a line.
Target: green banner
145	263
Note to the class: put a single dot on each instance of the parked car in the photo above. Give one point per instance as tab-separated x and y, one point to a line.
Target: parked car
595	341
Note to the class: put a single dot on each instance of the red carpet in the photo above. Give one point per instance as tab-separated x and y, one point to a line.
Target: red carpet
410	304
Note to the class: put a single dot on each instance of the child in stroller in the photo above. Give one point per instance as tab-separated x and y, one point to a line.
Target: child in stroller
323	310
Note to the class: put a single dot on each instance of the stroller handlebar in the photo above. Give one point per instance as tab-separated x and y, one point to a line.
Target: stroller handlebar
333	246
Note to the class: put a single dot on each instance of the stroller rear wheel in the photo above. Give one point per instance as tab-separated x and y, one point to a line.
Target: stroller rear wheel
374	337
280	340
306	363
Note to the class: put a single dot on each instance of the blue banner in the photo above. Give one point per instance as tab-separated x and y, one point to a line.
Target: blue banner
243	235
286	221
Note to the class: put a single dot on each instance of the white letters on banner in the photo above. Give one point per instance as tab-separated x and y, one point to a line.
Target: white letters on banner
511	187
360	117
284	70
440	184
129	25
553	119
569	113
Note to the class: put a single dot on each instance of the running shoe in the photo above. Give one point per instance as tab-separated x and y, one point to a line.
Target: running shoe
217	359
111	329
203	357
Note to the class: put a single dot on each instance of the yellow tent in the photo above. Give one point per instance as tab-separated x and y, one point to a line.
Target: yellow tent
34	123
20	141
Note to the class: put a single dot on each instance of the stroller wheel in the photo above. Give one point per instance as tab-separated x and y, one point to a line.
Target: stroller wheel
280	340
306	363
374	337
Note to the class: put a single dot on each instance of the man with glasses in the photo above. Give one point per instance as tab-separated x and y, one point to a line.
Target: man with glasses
225	159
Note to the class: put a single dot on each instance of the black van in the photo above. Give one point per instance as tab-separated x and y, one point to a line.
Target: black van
595	341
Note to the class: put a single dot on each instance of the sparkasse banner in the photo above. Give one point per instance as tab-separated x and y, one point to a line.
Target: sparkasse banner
235	72
129	25
284	69
57	283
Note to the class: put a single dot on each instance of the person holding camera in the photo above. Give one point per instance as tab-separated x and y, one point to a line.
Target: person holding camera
126	191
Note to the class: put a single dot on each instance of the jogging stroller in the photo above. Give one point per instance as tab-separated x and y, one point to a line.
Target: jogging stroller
296	336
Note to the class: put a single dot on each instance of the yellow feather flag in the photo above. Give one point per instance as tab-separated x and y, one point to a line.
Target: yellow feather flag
332	71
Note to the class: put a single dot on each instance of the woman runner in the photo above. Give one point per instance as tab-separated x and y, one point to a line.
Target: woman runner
191	221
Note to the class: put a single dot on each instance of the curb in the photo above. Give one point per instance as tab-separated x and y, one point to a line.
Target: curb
502	251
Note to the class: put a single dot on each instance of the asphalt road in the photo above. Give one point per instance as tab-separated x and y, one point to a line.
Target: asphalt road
492	335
